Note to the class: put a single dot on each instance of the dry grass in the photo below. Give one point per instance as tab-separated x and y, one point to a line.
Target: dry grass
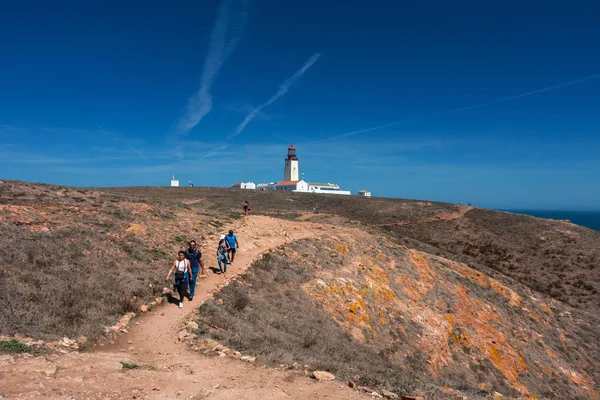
266	314
79	273
408	316
552	257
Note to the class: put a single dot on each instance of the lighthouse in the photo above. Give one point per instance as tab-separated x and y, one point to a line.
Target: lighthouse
290	173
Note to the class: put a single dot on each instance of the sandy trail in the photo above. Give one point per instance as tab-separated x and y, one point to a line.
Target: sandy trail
172	370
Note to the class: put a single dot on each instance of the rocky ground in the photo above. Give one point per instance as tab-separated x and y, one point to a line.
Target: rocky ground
151	361
394	297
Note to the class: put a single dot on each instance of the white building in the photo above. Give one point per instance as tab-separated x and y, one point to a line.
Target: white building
174	182
364	193
244	185
292	183
266	186
290	171
327	188
292	186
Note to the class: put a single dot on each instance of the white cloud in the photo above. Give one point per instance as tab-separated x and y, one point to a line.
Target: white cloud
225	35
283	88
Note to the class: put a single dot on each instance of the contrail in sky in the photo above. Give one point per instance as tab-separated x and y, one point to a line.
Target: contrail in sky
225	35
457	110
283	88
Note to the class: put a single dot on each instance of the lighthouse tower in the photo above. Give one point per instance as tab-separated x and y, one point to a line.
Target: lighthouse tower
290	172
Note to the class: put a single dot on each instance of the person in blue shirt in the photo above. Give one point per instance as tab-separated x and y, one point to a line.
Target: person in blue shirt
196	263
233	245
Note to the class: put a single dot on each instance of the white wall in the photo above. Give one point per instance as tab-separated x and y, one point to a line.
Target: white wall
344	192
290	172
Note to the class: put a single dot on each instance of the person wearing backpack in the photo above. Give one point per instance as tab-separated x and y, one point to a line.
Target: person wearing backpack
181	266
194	256
233	245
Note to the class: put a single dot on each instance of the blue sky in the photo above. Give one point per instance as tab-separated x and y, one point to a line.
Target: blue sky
496	103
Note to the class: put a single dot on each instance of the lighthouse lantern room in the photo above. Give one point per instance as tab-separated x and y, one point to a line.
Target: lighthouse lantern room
290	172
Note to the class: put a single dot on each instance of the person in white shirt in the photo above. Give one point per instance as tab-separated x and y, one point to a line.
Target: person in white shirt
181	266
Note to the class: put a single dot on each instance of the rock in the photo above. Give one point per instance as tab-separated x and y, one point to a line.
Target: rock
227	351
218	347
129	342
38	365
158	300
183	334
412	398
389	395
131	348
376	395
237	354
248	359
192	325
203	394
143	308
322	376
220	301
6	360
221	354
497	396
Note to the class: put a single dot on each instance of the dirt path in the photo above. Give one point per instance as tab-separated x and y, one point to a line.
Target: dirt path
171	370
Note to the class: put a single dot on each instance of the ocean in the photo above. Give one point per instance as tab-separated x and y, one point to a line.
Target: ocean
589	219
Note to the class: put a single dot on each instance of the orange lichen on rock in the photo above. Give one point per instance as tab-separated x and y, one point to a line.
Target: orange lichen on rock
546	308
481	319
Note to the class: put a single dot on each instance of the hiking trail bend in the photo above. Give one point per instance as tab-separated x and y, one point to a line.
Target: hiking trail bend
173	371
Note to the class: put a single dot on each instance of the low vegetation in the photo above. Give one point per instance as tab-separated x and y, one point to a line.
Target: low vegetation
552	257
14	346
72	261
400	319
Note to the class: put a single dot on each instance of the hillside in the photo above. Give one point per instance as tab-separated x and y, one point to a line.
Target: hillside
556	258
414	297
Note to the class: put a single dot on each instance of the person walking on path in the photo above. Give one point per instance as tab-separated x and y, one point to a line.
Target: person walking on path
246	208
233	245
181	266
222	255
194	256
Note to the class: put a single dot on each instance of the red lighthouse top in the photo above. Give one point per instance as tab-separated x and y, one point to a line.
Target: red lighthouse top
292	153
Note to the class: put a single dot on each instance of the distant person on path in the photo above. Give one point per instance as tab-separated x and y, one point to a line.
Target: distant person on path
194	256
181	266
246	208
233	245
222	255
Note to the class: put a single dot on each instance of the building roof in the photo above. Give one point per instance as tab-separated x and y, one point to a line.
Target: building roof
285	183
323	184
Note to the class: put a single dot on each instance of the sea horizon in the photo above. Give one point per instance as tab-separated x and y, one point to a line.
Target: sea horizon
588	219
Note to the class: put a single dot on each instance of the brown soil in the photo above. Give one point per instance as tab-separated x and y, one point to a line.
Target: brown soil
171	369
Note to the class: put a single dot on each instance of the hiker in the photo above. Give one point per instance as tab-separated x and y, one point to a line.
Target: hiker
233	245
181	266
194	256
246	208
222	255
